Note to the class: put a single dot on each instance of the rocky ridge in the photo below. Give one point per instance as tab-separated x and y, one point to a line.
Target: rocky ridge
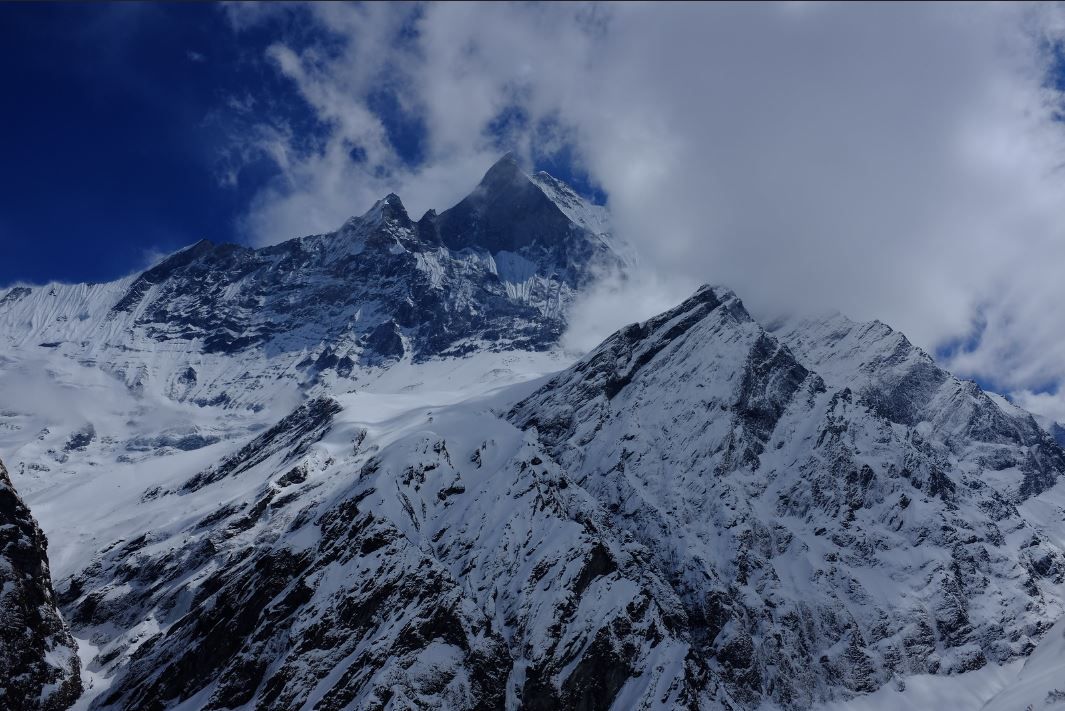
41	670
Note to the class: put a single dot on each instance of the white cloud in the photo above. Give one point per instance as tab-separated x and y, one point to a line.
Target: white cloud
613	302
1050	405
896	162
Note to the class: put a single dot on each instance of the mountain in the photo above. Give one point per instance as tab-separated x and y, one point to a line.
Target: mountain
355	470
230	325
688	517
39	658
825	533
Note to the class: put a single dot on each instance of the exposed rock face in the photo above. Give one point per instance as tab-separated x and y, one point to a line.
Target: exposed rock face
523	222
1040	686
38	657
348	289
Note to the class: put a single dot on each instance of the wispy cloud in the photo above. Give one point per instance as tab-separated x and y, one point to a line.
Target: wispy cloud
1050	405
901	163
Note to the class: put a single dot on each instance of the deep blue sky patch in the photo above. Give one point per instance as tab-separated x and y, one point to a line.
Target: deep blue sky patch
114	120
119	124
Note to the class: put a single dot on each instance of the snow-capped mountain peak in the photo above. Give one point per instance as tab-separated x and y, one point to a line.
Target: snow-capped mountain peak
498	271
830	546
511	212
388	209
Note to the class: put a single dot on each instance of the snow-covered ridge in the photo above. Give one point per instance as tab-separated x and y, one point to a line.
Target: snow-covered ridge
838	530
904	385
690	516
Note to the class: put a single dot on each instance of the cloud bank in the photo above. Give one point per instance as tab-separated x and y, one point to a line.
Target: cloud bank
894	162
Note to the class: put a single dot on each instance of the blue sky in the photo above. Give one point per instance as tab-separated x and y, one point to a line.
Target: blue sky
113	130
121	123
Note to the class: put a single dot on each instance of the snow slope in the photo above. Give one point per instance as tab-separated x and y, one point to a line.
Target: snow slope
1041	683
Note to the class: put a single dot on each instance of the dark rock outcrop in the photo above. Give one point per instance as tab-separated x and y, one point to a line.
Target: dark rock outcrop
39	666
